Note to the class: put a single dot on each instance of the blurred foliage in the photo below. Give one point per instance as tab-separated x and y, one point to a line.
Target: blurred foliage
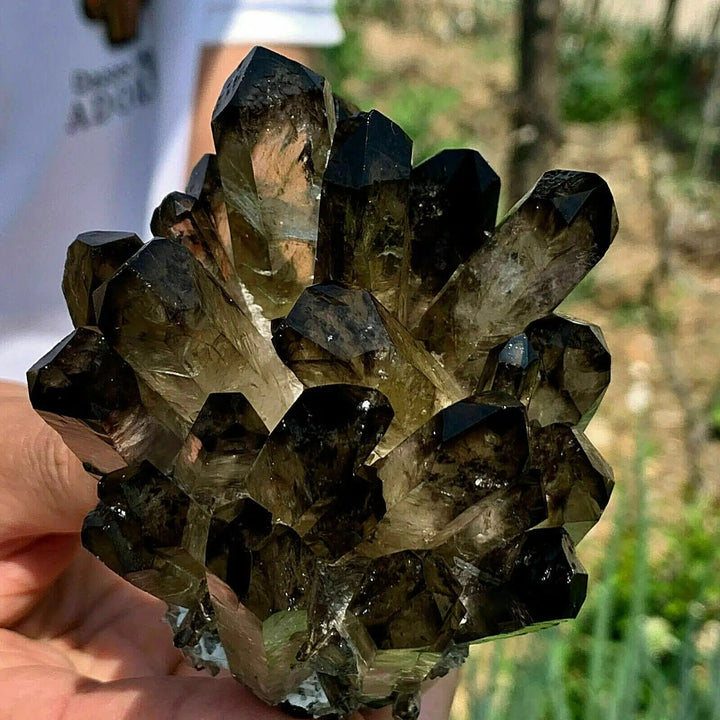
414	107
666	85
346	61
608	72
412	104
592	84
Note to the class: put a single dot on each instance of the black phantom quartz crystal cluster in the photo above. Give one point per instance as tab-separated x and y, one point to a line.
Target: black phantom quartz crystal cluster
336	424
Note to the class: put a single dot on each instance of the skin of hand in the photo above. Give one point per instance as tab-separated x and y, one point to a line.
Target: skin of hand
76	641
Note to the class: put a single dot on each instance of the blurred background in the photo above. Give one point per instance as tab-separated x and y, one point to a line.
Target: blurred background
629	89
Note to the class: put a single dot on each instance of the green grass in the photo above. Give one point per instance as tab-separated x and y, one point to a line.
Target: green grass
413	106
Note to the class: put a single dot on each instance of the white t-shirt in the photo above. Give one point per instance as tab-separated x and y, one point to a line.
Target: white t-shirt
93	137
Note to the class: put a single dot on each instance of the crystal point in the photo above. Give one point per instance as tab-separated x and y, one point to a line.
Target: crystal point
164	314
558	367
434	480
85	391
453	205
363	233
221	447
205	184
272	127
309	465
91	260
185	219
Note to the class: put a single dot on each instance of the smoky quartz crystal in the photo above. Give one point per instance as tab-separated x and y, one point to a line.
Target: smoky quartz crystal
336	423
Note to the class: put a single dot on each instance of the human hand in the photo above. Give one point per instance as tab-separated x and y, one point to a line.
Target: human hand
76	641
120	17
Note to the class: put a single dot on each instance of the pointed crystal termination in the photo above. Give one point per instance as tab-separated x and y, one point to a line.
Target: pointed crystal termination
167	318
491	528
272	126
435	481
309	471
551	239
549	577
576	480
336	334
269	576
184	218
453	207
513	368
86	392
538	584
363	228
92	258
140	511
205	185
222	445
138	530
574	370
559	368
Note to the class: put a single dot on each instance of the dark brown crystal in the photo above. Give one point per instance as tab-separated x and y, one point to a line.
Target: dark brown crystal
453	207
363	228
272	125
186	219
92	259
432	481
205	185
86	392
559	367
335	334
334	513
185	337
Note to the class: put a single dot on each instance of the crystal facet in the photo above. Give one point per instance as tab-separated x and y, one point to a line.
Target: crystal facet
334	513
90	395
558	367
453	206
165	315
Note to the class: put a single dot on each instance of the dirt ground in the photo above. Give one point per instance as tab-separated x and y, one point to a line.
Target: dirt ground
639	399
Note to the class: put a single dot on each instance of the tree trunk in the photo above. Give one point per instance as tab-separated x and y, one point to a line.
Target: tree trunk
668	22
709	133
536	120
592	12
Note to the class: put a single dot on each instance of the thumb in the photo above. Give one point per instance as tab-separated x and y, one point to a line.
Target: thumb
43	487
